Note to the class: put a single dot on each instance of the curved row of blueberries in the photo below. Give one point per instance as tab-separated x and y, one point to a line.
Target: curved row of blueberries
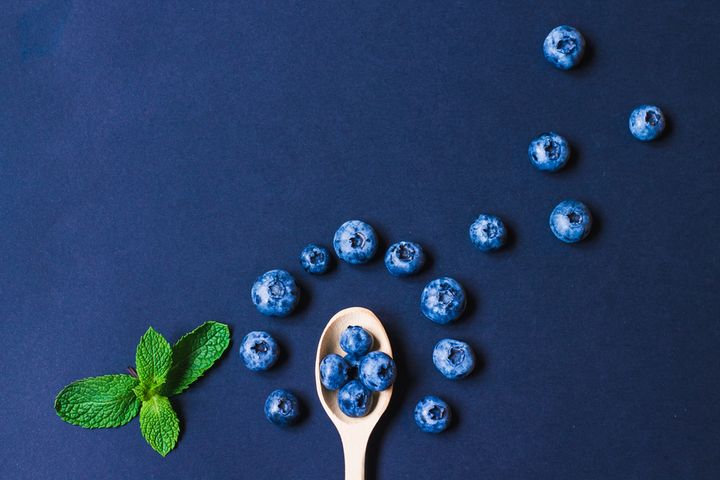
275	293
361	371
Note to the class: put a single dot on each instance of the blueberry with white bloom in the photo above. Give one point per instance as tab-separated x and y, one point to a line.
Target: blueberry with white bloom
647	122
453	358
404	258
282	408
315	259
488	233
564	47
377	371
443	300
355	242
354	399
549	152
259	351
275	293
356	340
334	371
571	221
432	414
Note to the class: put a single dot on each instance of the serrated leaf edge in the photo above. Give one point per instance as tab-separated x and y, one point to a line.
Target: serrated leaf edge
176	425
225	347
137	403
156	381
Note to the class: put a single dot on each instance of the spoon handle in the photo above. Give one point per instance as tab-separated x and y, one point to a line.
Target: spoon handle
354	449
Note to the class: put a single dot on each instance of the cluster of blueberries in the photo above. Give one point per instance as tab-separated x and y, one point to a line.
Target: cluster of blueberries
571	220
361	372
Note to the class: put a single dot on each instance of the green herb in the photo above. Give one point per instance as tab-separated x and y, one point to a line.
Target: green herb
160	371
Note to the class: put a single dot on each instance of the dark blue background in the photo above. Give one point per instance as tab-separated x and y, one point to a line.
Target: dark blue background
155	159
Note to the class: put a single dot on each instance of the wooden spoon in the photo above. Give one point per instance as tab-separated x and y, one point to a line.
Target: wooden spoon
354	432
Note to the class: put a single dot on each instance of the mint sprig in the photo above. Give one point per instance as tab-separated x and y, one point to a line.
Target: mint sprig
160	371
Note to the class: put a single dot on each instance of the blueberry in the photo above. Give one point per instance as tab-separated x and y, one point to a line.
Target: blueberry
282	408
355	242
356	340
315	259
564	47
275	293
404	258
432	414
377	371
354	399
453	358
488	233
443	300
570	221
354	362
549	152
334	371
259	351
647	122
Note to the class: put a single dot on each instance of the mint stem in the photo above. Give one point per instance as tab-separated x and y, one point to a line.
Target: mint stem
132	372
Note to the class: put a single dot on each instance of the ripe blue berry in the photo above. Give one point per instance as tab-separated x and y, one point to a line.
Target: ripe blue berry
377	371
354	399
647	122
404	258
453	358
259	351
570	221
282	408
432	414
315	259
275	293
443	300
355	242
356	340
488	233
334	371
549	152
564	47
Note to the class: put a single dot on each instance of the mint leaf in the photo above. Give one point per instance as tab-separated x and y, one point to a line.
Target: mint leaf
98	402
153	359
159	424
194	353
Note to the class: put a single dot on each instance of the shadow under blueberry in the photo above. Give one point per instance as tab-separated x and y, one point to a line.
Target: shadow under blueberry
402	384
305	296
510	240
472	304
595	230
382	246
573	160
303	408
480	362
666	134
284	351
586	62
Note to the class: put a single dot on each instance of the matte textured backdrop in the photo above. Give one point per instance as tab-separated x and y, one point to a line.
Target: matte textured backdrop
155	157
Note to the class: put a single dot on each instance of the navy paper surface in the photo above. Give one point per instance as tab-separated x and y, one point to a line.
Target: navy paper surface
156	157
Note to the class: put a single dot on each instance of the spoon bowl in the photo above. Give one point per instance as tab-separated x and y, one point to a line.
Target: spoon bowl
354	432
